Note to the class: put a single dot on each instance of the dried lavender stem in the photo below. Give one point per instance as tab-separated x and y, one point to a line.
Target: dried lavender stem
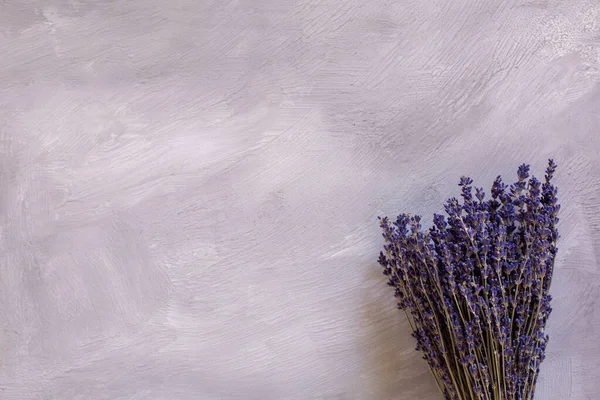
474	287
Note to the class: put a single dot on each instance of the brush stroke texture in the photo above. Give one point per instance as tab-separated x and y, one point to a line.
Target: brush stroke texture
190	189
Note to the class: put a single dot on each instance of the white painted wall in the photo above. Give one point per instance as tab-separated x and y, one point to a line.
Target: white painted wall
190	188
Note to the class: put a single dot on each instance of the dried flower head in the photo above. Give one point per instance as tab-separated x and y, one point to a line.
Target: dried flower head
475	285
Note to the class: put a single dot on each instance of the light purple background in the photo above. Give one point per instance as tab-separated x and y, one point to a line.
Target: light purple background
189	189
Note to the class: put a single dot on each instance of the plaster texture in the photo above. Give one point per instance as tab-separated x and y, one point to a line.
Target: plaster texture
189	189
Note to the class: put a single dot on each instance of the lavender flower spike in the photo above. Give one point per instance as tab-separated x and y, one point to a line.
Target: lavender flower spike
475	285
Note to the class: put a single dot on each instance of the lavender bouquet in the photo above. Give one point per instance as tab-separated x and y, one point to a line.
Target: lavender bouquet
475	285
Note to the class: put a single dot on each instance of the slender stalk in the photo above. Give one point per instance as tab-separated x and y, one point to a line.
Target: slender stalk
474	288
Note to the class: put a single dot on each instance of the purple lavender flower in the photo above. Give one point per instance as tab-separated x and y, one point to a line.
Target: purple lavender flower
474	286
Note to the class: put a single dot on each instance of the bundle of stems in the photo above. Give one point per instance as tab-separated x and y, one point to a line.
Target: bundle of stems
475	286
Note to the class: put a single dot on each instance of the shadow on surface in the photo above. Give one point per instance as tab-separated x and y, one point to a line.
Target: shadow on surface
392	369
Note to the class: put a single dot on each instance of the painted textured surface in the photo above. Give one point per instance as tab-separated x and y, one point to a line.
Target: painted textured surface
190	189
